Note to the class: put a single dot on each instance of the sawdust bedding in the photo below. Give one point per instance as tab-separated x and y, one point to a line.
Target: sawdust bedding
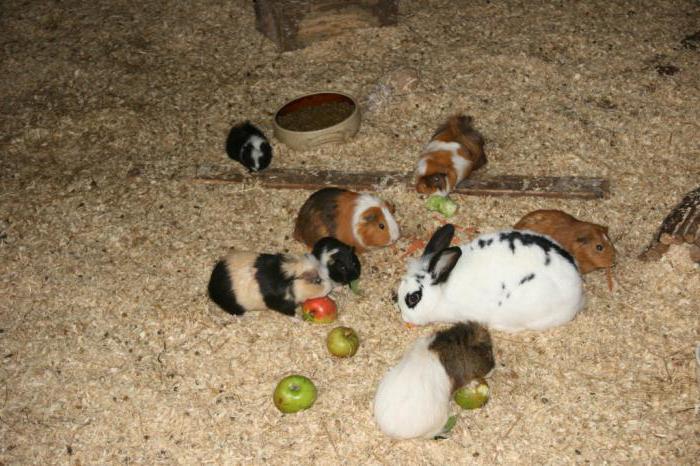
111	352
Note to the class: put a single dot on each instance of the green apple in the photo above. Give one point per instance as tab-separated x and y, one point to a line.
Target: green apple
342	342
473	395
294	393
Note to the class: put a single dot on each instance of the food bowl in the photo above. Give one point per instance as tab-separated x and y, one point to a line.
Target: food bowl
315	119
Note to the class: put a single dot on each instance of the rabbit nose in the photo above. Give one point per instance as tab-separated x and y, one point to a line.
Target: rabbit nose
394	297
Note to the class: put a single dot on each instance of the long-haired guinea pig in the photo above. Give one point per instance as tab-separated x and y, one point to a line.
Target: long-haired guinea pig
340	259
587	242
454	151
249	146
413	398
245	281
360	220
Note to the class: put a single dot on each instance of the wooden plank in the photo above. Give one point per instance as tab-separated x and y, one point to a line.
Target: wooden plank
568	187
294	24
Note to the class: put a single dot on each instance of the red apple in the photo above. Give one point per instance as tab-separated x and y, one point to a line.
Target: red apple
319	310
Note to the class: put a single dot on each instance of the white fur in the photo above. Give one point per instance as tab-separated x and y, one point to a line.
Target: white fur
413	398
485	286
365	201
459	163
256	153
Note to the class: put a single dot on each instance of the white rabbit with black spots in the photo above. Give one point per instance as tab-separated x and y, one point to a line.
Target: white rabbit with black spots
508	280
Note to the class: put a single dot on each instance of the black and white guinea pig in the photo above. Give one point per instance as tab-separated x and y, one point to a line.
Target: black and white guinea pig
245	281
413	398
249	146
340	259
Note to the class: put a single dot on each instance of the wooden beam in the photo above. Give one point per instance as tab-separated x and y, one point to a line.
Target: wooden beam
566	187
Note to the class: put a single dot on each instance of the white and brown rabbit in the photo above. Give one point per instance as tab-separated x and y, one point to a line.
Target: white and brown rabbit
413	398
508	280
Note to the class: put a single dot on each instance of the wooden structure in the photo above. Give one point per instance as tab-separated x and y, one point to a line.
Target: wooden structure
294	24
570	187
681	225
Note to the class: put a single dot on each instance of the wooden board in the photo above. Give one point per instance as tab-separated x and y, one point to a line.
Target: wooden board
681	225
293	24
571	187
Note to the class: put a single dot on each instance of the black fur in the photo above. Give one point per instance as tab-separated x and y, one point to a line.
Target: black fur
240	150
344	265
274	284
465	351
221	290
527	278
440	240
527	239
440	276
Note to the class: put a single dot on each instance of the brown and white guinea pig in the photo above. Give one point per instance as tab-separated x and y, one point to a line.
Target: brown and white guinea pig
360	220
413	398
245	281
587	242
454	151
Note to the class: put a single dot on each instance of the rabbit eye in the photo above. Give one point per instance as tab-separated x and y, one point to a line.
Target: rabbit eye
381	226
413	298
599	247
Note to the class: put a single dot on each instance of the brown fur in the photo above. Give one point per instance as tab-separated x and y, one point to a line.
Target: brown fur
439	166
329	212
581	239
465	351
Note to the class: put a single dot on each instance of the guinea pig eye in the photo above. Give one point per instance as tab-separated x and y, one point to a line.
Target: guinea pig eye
381	226
413	298
599	247
316	281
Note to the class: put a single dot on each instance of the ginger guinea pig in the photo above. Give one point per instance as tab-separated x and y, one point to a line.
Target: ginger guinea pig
454	151
357	219
587	242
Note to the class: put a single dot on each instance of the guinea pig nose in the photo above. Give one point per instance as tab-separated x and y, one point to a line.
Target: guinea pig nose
394	296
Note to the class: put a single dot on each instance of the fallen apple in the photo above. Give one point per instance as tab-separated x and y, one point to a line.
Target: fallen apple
342	342
294	393
319	310
473	395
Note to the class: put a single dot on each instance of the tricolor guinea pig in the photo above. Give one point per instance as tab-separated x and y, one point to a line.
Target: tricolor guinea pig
454	151
249	146
340	259
587	242
245	281
360	220
413	398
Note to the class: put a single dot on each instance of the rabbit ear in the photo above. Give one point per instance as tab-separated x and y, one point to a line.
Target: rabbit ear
440	240
442	263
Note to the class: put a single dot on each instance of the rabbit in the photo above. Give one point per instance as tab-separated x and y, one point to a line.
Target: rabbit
249	146
245	281
509	280
454	151
340	259
587	242
360	220
413	397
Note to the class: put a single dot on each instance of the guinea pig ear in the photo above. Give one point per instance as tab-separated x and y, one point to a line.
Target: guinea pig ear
440	240
311	276
583	239
442	263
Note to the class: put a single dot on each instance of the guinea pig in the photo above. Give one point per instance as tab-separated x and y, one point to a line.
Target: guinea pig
587	242
360	220
340	259
245	281
413	398
454	151
249	146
